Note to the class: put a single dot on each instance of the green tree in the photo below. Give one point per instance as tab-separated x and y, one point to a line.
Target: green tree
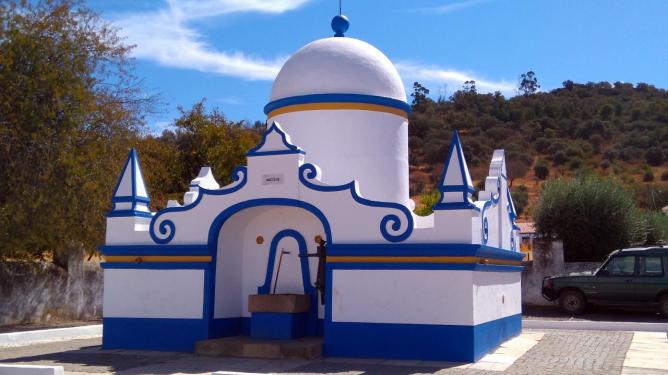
528	83
206	138
69	109
469	87
419	93
592	216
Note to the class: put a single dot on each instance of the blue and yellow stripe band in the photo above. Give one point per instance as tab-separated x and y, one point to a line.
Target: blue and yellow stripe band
338	102
423	260
157	258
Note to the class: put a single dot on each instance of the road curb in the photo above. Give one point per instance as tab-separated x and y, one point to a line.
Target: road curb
46	335
594	325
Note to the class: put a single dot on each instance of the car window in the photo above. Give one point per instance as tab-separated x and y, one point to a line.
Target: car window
650	266
621	266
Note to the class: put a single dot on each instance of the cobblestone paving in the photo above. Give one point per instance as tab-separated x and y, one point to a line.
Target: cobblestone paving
574	353
558	352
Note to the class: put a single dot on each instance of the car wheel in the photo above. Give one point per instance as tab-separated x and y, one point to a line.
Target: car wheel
572	302
663	305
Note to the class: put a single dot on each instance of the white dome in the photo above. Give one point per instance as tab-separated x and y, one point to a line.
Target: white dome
338	65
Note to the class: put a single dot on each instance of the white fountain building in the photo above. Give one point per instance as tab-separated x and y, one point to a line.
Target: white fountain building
331	175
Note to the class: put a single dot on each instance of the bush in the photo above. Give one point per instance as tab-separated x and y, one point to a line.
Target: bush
648	176
664	176
542	144
428	199
575	163
560	158
592	216
605	164
520	198
654	156
541	169
657	227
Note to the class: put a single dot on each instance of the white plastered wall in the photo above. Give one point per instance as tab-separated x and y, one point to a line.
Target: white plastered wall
496	295
368	146
442	297
153	293
241	263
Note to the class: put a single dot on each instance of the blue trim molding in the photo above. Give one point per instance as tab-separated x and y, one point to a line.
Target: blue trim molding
166	250
308	172
289	147
167	229
423	249
157	266
338	98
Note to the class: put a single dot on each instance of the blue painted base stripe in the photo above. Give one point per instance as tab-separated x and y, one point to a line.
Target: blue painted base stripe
488	336
418	341
177	335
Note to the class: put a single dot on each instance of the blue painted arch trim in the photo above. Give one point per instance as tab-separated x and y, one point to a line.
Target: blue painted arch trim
309	172
167	229
219	221
337	98
309	289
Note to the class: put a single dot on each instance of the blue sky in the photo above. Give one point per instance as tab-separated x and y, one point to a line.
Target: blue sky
229	50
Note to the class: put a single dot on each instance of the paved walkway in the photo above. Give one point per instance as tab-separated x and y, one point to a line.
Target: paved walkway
534	352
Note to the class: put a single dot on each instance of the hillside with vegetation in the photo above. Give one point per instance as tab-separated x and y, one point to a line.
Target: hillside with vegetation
618	130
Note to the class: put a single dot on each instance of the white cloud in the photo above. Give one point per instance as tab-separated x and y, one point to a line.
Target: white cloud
452	7
453	79
164	36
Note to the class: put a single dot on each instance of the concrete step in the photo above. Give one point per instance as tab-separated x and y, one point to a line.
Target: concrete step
247	347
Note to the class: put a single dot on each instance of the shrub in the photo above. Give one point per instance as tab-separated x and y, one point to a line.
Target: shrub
542	144
610	154
592	216
541	169
657	227
664	176
648	176
428	199
654	156
575	163
520	198
605	164
560	158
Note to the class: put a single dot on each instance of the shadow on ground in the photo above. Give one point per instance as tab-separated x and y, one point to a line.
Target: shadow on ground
596	313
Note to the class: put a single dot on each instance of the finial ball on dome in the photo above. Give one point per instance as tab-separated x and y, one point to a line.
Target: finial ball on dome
340	24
